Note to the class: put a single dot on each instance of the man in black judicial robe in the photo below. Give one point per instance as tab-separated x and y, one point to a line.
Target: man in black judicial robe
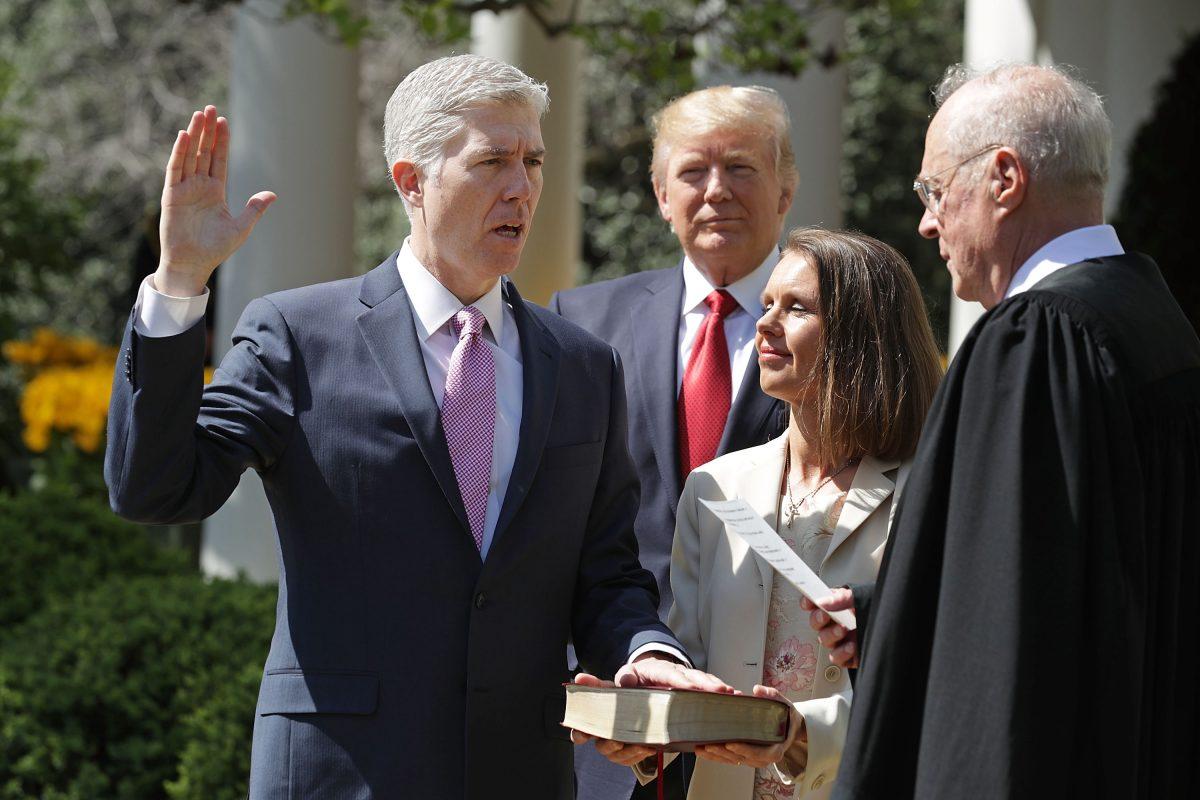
1034	629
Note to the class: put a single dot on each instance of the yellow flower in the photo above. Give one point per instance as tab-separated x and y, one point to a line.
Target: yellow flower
69	388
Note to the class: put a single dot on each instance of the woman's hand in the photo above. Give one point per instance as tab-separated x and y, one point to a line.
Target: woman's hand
794	747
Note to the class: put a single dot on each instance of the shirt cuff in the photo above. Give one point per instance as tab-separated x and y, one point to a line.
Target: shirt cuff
660	647
157	315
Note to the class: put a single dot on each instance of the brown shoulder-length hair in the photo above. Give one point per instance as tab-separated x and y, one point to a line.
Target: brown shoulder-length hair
877	366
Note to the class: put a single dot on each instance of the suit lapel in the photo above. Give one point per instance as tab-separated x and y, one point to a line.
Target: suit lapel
871	486
654	320
750	418
539	367
391	336
760	488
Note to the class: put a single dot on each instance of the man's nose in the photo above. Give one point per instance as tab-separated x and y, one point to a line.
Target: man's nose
928	226
717	186
520	186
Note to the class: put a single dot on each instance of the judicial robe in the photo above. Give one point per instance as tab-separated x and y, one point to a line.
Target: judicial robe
1034	629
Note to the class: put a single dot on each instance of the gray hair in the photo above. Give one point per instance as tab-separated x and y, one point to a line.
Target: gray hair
425	112
1054	121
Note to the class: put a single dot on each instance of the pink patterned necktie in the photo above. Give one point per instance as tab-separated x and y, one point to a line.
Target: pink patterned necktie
469	415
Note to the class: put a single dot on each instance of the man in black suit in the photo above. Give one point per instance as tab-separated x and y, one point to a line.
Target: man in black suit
724	176
1033	631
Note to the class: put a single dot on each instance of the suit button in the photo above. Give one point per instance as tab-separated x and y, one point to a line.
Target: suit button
832	673
480	600
818	782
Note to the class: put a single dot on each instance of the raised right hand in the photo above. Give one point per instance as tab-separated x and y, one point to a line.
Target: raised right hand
197	232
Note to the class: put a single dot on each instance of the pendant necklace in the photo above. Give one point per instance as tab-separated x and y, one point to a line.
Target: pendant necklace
795	506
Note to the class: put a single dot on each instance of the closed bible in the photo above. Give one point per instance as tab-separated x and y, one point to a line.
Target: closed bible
674	719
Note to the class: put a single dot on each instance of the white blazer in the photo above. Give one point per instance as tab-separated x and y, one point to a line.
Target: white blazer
722	592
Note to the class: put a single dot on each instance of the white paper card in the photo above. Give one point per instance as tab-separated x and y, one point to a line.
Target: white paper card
743	520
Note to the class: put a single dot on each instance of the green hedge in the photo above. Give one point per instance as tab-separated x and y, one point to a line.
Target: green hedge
55	544
139	688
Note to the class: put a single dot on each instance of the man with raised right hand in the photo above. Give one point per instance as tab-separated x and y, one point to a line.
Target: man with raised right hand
446	463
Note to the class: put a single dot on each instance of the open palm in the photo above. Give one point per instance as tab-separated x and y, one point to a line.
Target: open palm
197	230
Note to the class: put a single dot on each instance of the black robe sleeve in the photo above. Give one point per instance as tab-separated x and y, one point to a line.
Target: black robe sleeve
1007	621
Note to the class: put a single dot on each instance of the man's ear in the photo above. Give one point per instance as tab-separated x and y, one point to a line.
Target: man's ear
660	194
410	182
786	196
1008	179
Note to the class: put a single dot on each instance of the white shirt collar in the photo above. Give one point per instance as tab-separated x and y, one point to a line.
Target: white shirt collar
434	304
747	291
1081	244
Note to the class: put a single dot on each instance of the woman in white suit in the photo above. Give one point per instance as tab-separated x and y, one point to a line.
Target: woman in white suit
846	342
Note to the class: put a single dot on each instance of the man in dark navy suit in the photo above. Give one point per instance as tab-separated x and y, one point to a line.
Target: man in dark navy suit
724	175
447	466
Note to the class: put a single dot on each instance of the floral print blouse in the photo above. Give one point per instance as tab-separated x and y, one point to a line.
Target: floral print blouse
790	660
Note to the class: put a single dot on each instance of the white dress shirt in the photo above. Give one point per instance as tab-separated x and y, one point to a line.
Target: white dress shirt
1081	244
739	325
433	307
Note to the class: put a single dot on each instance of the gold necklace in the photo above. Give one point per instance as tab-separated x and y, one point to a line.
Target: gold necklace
794	507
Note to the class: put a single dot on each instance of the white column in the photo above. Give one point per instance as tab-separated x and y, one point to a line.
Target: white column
551	257
996	31
293	114
815	102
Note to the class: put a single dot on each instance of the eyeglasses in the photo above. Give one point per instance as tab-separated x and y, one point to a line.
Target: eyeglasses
930	191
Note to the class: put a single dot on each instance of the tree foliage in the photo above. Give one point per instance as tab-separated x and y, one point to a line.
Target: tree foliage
895	56
1158	205
99	87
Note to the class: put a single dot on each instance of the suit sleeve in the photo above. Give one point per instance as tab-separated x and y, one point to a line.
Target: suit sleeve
176	449
616	599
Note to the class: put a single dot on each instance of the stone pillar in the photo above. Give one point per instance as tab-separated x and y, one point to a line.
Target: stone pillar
982	48
293	115
814	101
551	257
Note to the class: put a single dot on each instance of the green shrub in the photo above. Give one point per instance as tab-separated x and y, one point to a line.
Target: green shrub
112	693
216	759
55	543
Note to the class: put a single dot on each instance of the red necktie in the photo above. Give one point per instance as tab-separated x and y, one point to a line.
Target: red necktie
707	387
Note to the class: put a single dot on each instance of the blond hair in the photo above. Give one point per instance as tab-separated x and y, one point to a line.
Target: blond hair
753	109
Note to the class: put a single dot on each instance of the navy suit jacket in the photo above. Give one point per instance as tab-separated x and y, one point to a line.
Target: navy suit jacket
402	665
639	316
